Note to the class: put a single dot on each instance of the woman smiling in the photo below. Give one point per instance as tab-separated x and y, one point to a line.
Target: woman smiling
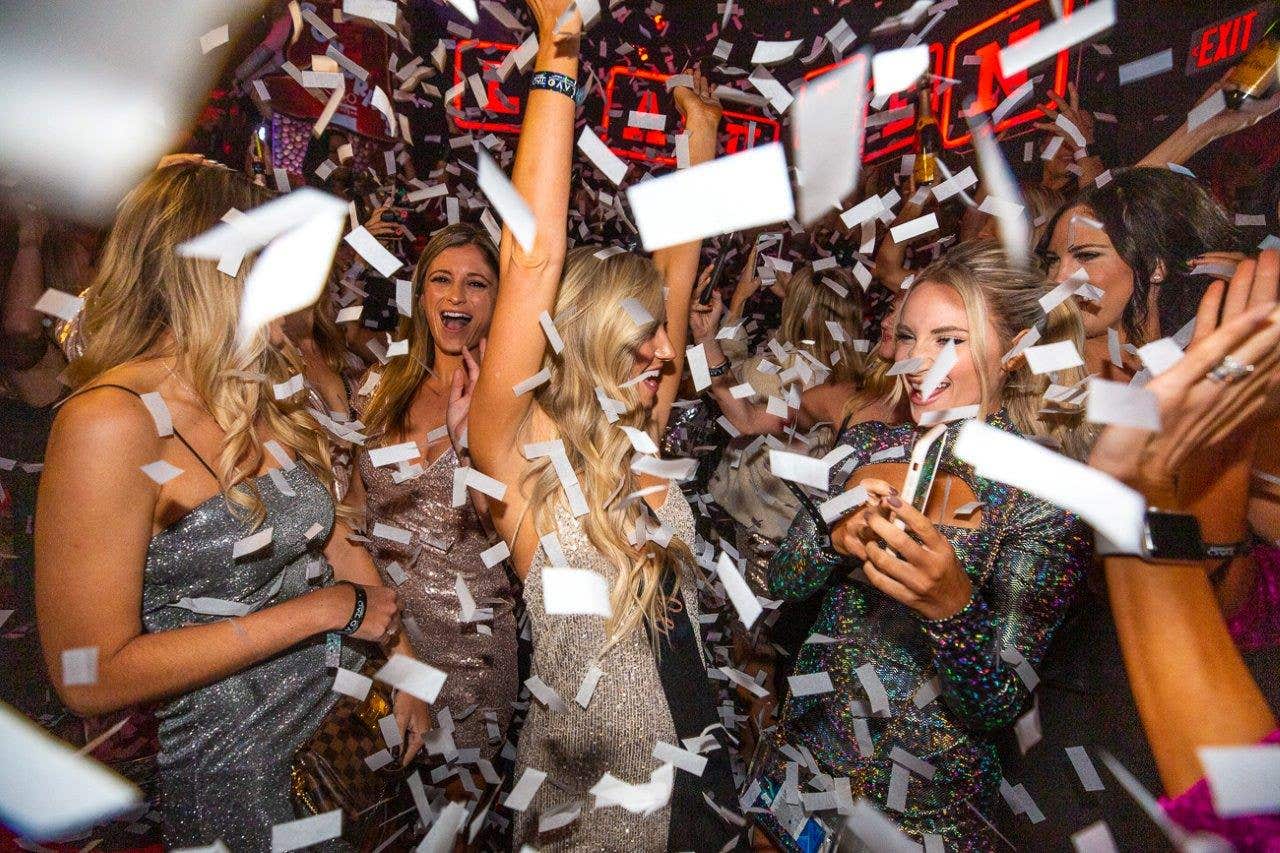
933	612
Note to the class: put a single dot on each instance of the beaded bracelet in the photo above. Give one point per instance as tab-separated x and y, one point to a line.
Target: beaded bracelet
357	612
555	82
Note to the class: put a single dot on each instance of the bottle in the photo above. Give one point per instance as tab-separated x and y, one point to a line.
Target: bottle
1257	76
260	156
928	137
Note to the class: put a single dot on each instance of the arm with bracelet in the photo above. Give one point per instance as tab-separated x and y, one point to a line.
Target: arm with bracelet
1189	681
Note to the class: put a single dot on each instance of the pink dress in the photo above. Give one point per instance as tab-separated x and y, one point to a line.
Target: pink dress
1193	811
1256	624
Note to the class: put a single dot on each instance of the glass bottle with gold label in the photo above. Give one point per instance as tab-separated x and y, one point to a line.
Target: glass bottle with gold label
1257	77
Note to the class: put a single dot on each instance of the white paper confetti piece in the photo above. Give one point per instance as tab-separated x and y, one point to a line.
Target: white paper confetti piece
545	694
57	303
826	137
525	789
352	684
442	836
637	312
575	592
285	390
304	832
682	759
744	681
392	454
1147	66
842	504
640	440
1160	355
502	194
494	555
1123	404
772	52
524	386
80	666
1094	838
1114	510
740	595
300	231
1084	768
939	371
1207	109
161	471
159	413
375	10
913	228
368	247
553	335
873	687
252	544
412	676
895	70
799	468
1082	24
727	194
810	683
641	799
1244	780
391	533
1047	358
588	687
699	372
1004	199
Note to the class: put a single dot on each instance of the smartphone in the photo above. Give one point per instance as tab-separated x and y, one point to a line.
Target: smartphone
922	469
704	298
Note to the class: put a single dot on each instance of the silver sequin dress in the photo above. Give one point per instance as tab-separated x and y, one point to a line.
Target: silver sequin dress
226	748
479	656
627	715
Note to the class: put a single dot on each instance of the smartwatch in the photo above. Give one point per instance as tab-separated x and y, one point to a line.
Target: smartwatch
1172	536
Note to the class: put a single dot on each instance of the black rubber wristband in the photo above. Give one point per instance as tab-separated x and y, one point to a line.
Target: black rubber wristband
357	612
553	81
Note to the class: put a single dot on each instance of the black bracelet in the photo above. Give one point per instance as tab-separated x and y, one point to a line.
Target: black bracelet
553	81
357	612
719	370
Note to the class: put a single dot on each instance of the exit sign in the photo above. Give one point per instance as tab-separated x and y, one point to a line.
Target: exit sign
1228	39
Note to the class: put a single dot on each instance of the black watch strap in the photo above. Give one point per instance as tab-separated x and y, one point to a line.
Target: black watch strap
1173	536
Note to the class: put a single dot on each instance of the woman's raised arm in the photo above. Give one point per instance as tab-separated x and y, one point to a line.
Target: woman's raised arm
679	264
529	281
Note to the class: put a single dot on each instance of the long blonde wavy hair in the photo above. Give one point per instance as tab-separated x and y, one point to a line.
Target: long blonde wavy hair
994	288
807	308
147	301
387	412
600	341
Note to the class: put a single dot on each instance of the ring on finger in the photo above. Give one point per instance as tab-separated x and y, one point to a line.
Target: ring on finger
1229	370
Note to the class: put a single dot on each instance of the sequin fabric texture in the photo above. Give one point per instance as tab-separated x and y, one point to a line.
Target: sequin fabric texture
445	543
226	748
616	733
916	702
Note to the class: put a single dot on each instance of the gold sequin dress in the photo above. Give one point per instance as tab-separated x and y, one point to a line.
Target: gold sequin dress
628	713
444	543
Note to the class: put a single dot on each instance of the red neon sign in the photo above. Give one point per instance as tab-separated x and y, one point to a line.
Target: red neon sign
740	130
896	135
1225	39
493	88
1014	24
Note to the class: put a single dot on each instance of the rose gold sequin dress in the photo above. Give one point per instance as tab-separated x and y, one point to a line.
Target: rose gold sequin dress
479	657
627	715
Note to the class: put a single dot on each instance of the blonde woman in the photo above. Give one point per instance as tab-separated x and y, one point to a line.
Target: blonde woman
210	584
569	481
807	357
422	397
931	634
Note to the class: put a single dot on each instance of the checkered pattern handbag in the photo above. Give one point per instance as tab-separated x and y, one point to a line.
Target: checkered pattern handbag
330	772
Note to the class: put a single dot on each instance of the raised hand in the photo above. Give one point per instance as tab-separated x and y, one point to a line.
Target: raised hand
917	566
1216	391
698	105
546	14
704	320
1069	108
464	383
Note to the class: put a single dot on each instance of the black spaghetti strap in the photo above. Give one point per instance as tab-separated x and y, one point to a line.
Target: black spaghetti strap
176	434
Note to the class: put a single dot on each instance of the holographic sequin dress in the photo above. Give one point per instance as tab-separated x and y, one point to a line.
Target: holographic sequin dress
226	748
636	704
950	683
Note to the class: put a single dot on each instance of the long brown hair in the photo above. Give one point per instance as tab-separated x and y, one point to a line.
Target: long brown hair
387	412
148	301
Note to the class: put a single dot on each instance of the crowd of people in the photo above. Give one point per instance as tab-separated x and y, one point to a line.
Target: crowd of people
694	543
